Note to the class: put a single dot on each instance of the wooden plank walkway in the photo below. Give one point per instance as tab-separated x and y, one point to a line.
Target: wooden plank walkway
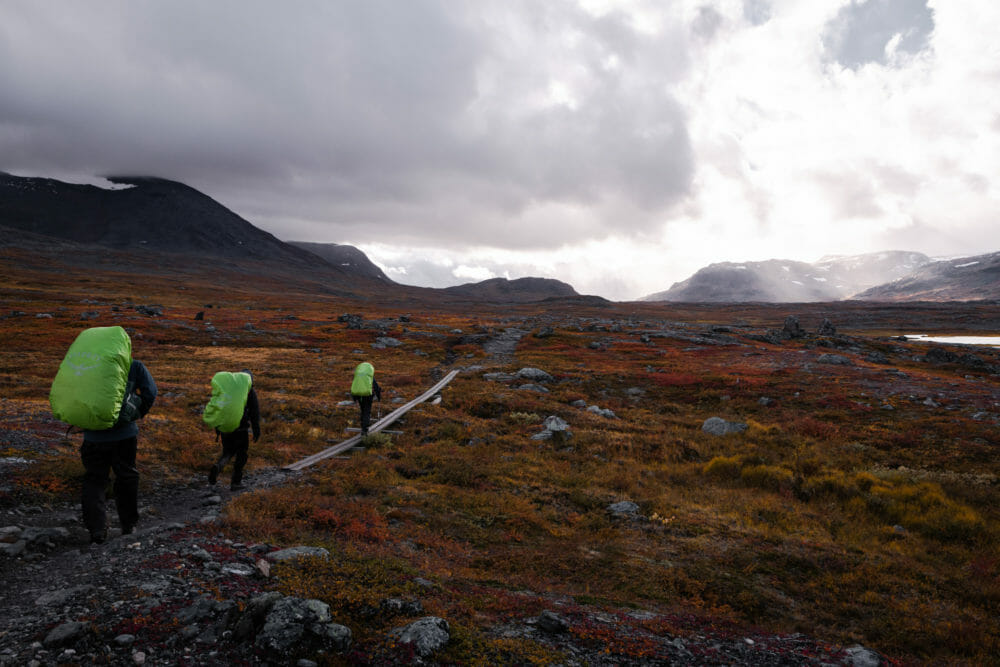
374	428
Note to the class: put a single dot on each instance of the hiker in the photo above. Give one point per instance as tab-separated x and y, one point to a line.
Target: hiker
233	411
363	389
101	390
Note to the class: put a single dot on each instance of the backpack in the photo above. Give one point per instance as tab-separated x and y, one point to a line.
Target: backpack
364	377
91	383
224	411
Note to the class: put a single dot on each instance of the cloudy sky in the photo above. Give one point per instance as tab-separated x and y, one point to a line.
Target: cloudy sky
618	145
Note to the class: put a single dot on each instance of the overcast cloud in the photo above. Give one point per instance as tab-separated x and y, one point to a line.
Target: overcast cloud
616	145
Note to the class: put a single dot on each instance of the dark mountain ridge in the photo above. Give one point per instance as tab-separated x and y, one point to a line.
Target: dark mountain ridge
345	256
519	290
963	279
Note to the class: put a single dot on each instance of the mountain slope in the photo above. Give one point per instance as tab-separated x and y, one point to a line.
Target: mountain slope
154	214
965	279
520	290
779	281
345	256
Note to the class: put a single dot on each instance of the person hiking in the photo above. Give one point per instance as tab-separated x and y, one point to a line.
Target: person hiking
363	389
102	391
115	448
233	410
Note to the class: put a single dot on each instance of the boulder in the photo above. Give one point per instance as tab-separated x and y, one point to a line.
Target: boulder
65	633
624	509
792	328
826	328
294	625
297	552
551	622
535	375
719	426
425	636
834	359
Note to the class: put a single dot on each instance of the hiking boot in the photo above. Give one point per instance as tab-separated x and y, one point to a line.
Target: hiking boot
213	474
99	538
128	530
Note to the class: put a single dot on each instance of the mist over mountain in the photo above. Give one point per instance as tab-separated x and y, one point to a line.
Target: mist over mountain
963	279
779	281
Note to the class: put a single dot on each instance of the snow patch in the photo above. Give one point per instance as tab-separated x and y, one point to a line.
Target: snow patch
962	266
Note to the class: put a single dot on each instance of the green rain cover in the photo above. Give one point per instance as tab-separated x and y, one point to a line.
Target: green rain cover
229	398
364	376
89	386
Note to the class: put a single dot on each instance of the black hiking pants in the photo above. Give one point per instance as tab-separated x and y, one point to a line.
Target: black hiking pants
365	403
98	458
235	444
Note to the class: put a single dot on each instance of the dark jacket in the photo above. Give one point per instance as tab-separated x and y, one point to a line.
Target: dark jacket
145	387
251	415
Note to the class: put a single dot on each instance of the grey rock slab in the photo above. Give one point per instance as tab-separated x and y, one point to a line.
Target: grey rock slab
298	552
426	635
719	426
65	633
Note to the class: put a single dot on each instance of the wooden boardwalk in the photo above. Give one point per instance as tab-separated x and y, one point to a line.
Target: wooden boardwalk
378	426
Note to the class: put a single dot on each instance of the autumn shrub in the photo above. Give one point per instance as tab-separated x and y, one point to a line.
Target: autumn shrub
768	478
723	467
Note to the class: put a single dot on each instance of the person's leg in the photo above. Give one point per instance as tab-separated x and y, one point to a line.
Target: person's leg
241	448
126	483
228	451
96	461
366	413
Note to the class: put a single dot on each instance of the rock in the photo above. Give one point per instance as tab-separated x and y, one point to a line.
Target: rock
200	554
554	423
353	321
200	315
89	315
293	623
603	412
792	329
151	311
139	658
859	656
255	614
877	358
766	402
383	342
125	640
499	377
65	633
535	375
624	508
835	359
939	355
826	328
10	534
56	598
14	550
396	607
551	622
298	552
719	426
579	403
544	332
534	387
425	636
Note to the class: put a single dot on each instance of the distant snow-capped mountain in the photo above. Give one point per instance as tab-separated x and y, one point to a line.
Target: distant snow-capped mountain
832	278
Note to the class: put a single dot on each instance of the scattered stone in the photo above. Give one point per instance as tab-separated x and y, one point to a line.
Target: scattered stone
56	598
383	342
719	426
535	375
499	377
534	387
603	412
624	509
425	636
551	622
353	321
835	359
579	403
876	357
139	658
89	315
298	552
65	633
200	315
10	534
544	332
293	623
125	640
767	402
150	311
826	328
859	656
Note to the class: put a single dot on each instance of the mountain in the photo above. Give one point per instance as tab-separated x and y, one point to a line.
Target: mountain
346	256
152	213
520	290
777	281
965	279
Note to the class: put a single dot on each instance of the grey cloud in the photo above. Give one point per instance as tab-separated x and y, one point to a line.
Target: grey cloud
859	33
365	120
757	12
707	22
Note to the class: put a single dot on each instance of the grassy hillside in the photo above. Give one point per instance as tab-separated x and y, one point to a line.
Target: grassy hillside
858	506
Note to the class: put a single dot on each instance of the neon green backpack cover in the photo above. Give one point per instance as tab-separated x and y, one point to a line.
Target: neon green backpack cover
364	377
89	386
229	398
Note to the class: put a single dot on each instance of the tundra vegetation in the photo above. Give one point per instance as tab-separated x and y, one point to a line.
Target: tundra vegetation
858	506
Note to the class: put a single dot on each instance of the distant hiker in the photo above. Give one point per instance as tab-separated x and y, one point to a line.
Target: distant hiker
363	388
101	390
232	411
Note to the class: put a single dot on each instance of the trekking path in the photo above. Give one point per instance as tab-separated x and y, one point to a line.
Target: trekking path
375	428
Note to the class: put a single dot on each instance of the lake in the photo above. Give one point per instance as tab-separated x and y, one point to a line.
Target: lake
992	341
